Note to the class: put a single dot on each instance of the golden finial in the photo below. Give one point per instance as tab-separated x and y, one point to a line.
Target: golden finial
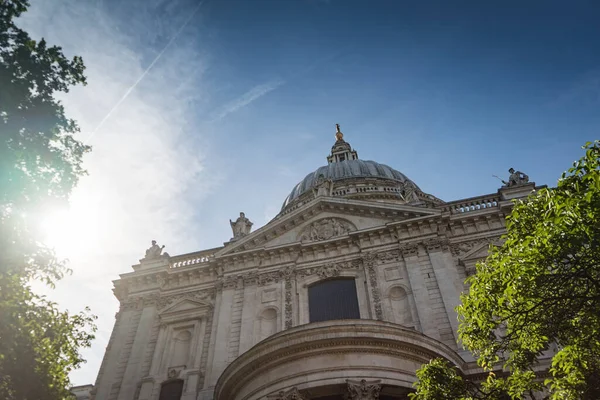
338	134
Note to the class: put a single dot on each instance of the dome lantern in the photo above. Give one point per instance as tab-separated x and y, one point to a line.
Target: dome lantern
341	150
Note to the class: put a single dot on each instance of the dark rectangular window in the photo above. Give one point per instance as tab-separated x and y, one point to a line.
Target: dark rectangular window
171	390
333	299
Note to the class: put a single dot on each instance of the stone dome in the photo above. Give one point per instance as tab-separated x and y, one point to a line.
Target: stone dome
346	176
348	169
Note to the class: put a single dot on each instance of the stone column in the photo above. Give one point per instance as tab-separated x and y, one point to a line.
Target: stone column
363	389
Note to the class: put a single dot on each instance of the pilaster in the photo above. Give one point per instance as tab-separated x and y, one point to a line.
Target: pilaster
416	276
447	277
218	359
133	370
107	374
248	313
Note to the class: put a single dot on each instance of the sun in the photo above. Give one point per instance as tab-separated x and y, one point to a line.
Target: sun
73	230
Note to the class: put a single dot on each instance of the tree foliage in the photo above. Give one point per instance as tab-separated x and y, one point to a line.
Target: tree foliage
539	290
40	163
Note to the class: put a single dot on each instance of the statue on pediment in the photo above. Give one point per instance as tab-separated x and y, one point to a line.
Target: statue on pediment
241	226
409	192
516	178
155	251
322	186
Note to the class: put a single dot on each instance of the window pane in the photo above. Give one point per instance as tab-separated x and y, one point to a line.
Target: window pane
333	299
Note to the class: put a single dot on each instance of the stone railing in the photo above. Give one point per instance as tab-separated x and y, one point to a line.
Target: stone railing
472	204
199	257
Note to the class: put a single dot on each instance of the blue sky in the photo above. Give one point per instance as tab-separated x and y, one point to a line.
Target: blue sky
197	111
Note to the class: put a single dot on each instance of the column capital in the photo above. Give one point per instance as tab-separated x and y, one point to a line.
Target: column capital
363	389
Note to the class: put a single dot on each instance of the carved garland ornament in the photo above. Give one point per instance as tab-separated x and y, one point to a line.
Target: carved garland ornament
326	228
369	263
288	273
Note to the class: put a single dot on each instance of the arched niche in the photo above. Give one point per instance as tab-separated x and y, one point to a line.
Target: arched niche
267	323
399	306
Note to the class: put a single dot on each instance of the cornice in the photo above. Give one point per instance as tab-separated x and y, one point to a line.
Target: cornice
302	214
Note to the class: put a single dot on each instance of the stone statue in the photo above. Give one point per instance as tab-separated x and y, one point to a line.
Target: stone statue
241	226
409	192
154	251
516	178
322	186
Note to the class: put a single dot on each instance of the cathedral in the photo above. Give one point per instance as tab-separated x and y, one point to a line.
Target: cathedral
343	295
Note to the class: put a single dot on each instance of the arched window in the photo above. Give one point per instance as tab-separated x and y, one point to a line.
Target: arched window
333	299
171	390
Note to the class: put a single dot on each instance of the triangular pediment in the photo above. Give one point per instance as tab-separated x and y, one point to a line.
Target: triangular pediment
184	306
479	252
325	219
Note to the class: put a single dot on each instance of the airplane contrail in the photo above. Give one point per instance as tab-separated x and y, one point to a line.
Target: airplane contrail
118	103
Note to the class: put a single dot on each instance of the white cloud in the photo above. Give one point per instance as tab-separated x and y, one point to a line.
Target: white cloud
146	168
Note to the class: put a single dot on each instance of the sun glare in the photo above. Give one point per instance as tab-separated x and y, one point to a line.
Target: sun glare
70	231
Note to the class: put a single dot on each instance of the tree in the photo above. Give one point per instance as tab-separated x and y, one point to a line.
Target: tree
40	163
541	287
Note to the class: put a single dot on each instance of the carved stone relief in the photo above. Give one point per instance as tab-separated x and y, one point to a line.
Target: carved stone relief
292	394
199	295
437	244
326	228
174	372
329	270
363	389
461	248
268	278
139	302
389	256
409	250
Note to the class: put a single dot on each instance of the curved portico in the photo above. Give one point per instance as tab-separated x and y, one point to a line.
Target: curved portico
317	359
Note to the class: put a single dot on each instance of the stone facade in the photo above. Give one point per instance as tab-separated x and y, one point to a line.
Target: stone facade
233	323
